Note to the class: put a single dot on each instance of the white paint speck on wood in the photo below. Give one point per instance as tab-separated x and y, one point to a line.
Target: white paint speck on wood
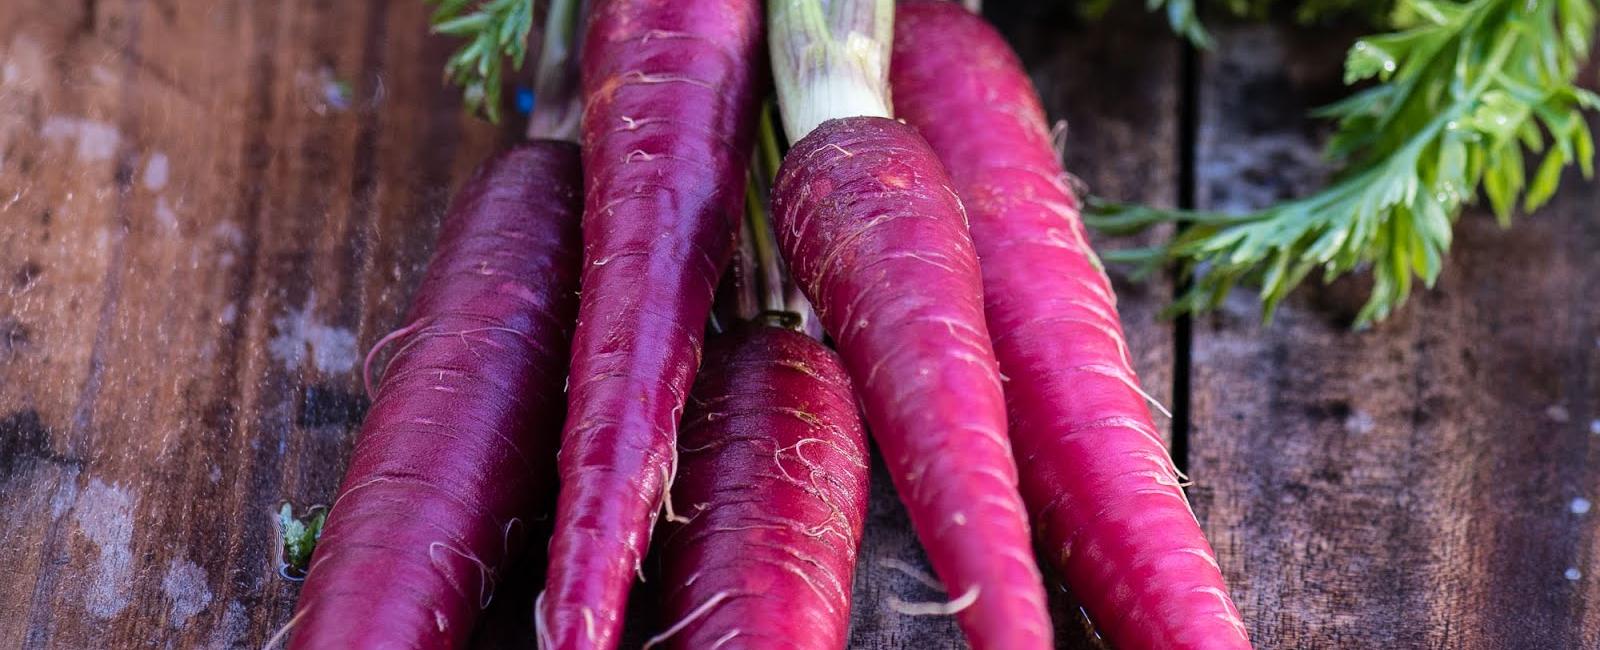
301	337
185	589
104	515
93	140
156	170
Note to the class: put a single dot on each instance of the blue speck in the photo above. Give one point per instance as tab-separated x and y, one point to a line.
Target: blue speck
524	100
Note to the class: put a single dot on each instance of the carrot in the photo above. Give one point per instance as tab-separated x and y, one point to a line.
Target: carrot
773	480
1104	493
876	239
456	456
670	99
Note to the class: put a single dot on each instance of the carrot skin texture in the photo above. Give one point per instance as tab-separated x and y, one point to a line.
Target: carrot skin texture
1103	490
457	453
876	238
670	106
773	476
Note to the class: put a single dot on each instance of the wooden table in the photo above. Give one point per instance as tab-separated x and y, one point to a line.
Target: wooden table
210	210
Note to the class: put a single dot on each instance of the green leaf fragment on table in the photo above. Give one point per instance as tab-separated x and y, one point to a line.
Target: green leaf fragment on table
1460	96
494	30
300	536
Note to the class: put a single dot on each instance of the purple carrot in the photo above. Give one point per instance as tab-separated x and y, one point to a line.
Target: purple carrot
670	101
773	483
1106	498
457	453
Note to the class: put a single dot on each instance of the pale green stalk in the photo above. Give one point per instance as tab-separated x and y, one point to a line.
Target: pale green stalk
830	59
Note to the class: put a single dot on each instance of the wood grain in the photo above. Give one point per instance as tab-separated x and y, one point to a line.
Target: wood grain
210	210
1417	485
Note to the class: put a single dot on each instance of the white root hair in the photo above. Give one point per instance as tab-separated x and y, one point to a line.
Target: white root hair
927	579
691	617
283	632
667	476
541	630
935	609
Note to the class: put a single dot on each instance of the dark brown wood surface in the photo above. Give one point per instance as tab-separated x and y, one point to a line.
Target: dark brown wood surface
1423	484
210	210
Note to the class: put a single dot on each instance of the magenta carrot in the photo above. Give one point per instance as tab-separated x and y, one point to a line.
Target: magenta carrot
875	237
670	102
1104	493
773	481
457	454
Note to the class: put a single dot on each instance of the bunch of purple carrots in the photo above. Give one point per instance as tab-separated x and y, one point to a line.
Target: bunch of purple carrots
672	321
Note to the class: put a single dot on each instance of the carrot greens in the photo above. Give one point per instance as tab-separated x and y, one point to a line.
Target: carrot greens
1456	100
494	30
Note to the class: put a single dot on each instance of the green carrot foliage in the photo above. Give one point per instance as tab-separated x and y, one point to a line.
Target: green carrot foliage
1458	100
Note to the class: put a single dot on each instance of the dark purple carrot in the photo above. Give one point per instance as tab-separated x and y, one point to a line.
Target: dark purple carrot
456	456
875	236
1106	497
670	100
773	473
772	479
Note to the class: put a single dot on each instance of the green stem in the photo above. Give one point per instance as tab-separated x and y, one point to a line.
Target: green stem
830	62
765	247
781	303
746	275
557	105
769	154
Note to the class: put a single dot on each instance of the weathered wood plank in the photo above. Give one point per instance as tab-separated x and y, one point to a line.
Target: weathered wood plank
1420	485
1121	107
209	211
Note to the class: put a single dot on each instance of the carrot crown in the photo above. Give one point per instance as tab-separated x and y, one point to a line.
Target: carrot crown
830	59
